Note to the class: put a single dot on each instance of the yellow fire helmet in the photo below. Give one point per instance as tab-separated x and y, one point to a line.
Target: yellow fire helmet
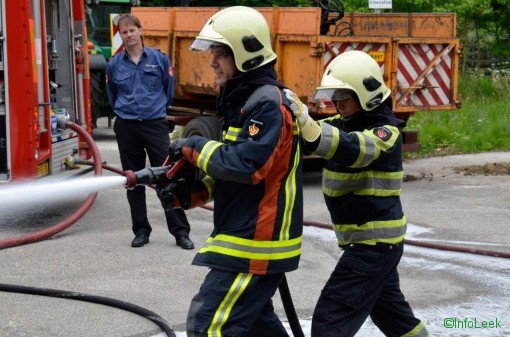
244	30
354	71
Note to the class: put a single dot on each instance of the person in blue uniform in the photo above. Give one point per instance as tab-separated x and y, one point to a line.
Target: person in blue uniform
361	183
253	175
140	86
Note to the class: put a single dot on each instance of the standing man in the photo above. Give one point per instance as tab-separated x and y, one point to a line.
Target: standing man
254	176
140	86
362	181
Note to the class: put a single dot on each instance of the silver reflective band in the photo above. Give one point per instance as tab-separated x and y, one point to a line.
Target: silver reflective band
200	45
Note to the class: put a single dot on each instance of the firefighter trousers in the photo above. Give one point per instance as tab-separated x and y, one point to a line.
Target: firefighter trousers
365	283
235	305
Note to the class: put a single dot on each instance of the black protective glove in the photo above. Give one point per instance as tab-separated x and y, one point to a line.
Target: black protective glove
176	194
175	149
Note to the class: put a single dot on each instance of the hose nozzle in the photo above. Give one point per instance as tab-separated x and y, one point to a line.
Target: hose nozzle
147	176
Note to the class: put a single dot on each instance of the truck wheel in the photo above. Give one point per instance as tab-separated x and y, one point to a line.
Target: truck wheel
96	96
205	126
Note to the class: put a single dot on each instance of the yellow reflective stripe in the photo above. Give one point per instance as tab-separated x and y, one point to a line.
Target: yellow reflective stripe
418	331
290	196
388	231
376	183
251	249
381	144
221	315
295	128
232	133
206	153
329	141
209	184
368	152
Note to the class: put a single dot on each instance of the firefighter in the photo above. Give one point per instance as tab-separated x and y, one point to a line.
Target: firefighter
254	176
362	181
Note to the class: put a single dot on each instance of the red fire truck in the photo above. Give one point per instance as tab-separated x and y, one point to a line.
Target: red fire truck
43	73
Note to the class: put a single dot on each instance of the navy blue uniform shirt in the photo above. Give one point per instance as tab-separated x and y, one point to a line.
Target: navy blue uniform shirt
140	91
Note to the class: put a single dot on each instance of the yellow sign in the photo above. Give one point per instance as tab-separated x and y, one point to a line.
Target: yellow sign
377	55
43	169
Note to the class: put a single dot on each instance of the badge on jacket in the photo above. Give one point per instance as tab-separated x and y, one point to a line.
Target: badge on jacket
382	133
255	127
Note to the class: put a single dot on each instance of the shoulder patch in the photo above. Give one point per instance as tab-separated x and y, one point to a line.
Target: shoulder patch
255	127
382	133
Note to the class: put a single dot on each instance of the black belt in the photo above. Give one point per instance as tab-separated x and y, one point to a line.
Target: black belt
141	120
379	246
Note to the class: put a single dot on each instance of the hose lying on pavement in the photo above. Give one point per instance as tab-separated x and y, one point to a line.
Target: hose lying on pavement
93	299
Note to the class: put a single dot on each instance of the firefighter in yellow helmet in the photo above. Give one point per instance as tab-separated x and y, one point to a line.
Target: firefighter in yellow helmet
362	182
254	176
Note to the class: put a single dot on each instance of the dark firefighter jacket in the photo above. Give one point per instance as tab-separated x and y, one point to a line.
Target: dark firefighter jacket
363	176
254	175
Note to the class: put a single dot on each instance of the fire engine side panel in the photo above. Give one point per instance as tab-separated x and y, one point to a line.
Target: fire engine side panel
40	76
21	91
4	160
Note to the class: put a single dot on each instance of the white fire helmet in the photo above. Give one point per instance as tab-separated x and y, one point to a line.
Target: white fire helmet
244	30
354	71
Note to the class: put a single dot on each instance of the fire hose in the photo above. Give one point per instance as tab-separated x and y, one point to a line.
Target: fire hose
66	223
149	177
44	234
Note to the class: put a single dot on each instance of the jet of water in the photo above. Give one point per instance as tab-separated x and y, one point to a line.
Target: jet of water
46	192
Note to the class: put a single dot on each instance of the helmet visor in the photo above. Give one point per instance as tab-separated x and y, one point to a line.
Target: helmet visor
332	95
200	45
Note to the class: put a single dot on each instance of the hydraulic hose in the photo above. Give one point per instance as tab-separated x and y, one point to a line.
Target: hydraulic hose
66	223
93	299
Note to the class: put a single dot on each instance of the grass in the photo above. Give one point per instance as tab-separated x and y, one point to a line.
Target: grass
481	125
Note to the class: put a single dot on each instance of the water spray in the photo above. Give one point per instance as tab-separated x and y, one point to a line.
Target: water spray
63	122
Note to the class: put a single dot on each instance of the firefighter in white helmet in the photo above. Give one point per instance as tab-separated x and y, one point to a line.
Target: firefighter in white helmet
254	176
362	182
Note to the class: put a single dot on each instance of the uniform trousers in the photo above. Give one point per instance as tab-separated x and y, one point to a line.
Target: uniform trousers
137	140
235	305
365	283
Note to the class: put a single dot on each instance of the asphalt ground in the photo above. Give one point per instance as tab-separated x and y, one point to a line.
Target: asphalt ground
94	257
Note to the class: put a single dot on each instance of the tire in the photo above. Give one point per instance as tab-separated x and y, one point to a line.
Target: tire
96	96
205	126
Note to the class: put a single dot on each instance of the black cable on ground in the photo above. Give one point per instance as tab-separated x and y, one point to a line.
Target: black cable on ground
290	311
155	318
